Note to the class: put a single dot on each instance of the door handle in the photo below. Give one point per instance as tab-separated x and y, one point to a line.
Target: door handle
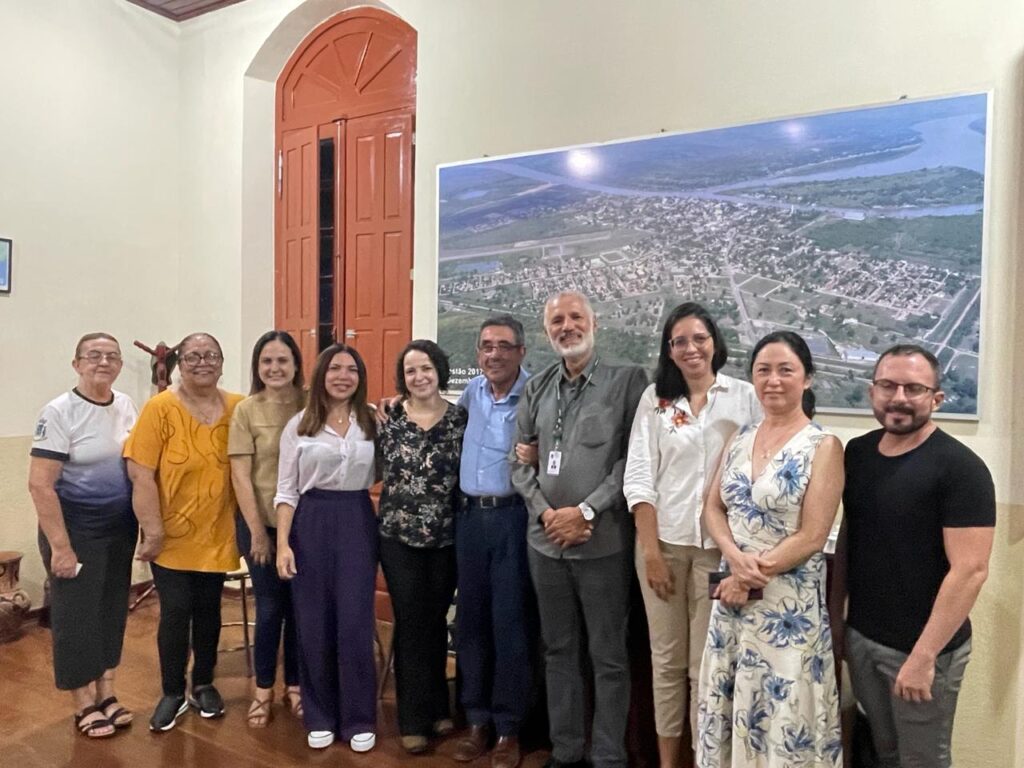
350	333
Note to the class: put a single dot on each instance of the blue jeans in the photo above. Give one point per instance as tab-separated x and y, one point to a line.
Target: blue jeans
496	616
273	611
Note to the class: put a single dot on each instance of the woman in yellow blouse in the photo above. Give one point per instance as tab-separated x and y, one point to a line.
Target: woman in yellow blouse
178	463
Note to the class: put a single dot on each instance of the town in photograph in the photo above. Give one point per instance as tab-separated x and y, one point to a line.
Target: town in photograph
857	229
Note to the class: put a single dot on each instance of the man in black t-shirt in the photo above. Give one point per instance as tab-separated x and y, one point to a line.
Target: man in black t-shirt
912	557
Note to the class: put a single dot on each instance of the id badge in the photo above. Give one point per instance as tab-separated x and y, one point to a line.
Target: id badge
554	462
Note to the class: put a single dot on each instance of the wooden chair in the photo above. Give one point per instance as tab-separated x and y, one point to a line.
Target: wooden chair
242	577
383	613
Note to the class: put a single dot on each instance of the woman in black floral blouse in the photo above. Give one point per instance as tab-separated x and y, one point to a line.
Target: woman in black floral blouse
420	446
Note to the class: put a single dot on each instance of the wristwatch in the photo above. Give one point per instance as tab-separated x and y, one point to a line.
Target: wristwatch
587	511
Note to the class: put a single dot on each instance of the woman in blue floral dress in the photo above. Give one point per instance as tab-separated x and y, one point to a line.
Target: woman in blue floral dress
768	682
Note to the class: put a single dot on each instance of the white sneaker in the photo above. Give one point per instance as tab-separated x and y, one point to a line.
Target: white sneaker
363	742
320	739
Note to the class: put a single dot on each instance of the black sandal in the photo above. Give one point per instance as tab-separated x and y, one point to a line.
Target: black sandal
89	729
120	717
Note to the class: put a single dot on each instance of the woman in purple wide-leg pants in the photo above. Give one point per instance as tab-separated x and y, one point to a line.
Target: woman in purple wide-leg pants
334	541
327	546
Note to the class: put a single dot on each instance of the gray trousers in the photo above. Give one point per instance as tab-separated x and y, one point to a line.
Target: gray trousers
906	734
589	599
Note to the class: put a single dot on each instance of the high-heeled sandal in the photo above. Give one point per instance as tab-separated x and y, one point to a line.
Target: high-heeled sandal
293	699
259	714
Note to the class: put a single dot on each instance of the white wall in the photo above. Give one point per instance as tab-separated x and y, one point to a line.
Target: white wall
89	191
90	195
133	149
497	78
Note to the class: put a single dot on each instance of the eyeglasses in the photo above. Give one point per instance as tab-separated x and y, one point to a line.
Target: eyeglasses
193	359
912	391
502	346
682	342
98	357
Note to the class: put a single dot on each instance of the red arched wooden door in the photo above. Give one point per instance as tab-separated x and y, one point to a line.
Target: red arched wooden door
343	235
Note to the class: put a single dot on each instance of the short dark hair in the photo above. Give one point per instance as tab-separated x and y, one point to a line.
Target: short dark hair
506	321
94	337
256	383
669	383
796	343
906	350
438	358
194	337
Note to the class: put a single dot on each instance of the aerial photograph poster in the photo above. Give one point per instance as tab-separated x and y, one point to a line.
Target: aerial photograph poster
857	229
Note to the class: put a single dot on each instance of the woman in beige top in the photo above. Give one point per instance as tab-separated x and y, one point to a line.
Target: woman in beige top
276	394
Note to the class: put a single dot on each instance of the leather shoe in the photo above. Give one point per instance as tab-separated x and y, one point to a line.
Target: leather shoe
471	745
506	753
415	745
553	762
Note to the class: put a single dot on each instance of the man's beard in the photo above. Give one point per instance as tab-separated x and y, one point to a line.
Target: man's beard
916	421
580	349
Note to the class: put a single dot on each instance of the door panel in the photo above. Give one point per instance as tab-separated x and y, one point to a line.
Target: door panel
395	278
354	76
361	62
378	242
296	286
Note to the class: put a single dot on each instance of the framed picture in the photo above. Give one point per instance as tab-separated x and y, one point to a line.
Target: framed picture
858	229
6	249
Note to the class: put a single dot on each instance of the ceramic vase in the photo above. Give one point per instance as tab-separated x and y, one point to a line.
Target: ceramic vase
14	602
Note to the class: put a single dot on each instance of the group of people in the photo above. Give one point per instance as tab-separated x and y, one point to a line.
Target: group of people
532	498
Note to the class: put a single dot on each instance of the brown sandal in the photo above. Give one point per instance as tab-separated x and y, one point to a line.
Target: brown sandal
89	729
259	712
293	698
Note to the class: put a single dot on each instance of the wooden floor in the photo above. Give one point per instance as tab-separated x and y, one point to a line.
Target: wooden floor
36	730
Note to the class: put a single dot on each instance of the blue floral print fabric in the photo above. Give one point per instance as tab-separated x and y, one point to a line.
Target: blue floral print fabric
768	684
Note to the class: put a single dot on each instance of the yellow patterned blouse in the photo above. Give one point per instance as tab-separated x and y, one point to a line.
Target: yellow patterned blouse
193	476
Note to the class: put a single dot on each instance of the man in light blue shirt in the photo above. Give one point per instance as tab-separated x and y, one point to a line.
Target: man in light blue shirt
495	635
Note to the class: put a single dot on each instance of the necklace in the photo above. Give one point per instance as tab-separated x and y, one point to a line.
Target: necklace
425	415
767	451
770	446
203	416
429	409
341	417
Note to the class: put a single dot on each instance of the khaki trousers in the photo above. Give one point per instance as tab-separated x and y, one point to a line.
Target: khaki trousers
678	628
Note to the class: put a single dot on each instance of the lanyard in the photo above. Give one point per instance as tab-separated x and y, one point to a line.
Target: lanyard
563	408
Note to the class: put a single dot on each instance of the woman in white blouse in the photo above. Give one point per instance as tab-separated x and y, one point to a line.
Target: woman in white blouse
327	546
681	427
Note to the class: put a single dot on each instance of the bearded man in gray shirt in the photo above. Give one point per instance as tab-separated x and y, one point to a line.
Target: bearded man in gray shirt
579	412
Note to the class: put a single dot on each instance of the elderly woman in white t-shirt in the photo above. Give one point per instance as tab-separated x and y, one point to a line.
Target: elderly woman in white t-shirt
87	531
680	430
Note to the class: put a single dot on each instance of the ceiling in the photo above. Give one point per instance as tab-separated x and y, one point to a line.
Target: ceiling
179	10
